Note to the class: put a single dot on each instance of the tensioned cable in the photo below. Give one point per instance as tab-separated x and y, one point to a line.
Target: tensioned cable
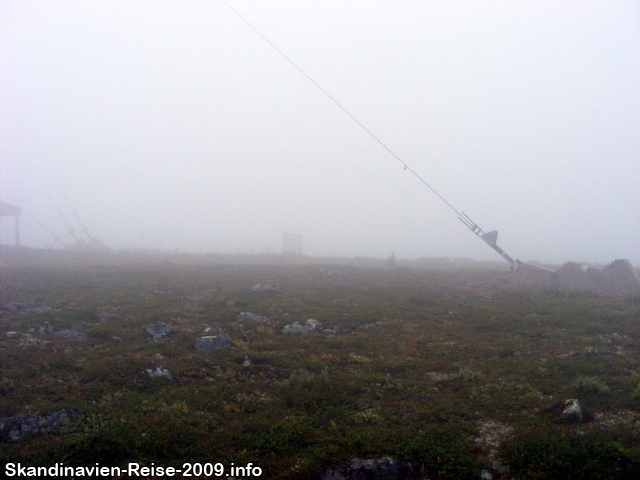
406	167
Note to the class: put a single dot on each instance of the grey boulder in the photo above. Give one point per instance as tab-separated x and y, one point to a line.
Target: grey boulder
157	330
213	342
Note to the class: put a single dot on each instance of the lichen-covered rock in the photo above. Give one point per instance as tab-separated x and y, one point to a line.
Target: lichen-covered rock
295	329
159	372
15	428
265	288
157	330
213	342
310	326
26	340
486	475
81	325
45	328
573	411
71	334
248	317
569	411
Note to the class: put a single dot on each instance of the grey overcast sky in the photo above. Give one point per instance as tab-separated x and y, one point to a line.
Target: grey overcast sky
172	124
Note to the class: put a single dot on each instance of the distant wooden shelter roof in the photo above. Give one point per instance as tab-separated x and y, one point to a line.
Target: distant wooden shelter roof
8	209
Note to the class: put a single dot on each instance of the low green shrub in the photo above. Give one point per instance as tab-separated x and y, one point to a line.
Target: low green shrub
558	453
591	384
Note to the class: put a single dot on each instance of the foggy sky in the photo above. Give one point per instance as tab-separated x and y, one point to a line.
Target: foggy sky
172	124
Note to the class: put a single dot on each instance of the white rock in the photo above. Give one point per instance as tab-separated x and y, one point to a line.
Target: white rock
158	372
310	326
248	317
573	410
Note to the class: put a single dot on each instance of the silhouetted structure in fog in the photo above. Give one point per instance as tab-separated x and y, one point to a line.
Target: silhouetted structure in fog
6	210
292	244
617	276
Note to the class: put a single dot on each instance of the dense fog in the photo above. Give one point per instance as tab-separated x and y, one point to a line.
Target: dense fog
174	125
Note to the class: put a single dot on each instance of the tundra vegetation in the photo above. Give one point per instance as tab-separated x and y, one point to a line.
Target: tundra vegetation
453	371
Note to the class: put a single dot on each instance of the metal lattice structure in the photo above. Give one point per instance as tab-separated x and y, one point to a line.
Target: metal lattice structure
292	244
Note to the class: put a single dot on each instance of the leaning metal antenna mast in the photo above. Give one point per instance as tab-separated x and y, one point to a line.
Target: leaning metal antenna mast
55	236
490	237
85	230
70	230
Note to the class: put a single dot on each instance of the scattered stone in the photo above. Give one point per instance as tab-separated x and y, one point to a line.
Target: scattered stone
116	338
374	469
625	417
248	317
12	335
265	288
26	307
310	326
229	302
26	340
81	325
332	331
367	326
486	475
157	330
168	291
492	434
213	342
46	328
573	411
313	324
569	411
158	372
71	334
295	329
593	352
105	316
16	428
